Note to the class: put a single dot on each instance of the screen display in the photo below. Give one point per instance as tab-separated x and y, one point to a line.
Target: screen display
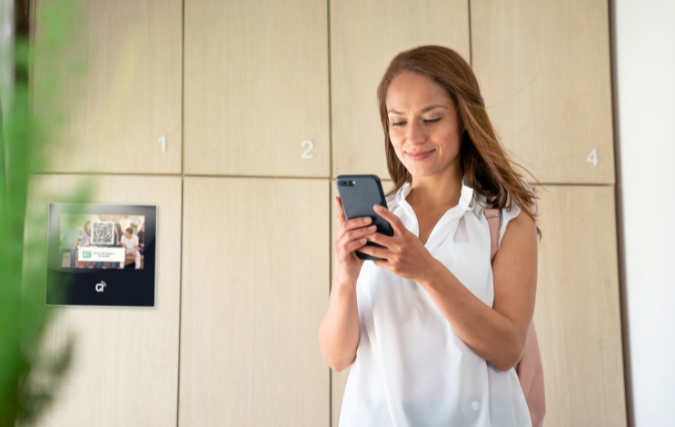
101	254
102	241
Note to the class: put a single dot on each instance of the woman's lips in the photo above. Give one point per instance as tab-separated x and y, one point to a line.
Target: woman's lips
419	156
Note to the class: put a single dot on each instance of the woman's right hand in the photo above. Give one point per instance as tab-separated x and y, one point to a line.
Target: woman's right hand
351	235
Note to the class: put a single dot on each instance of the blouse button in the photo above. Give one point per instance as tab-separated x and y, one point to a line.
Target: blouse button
475	405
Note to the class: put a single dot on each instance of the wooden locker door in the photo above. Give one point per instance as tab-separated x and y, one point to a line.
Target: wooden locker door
129	98
544	72
256	88
577	309
365	37
339	379
255	286
124	370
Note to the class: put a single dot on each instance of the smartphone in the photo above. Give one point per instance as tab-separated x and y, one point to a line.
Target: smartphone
359	193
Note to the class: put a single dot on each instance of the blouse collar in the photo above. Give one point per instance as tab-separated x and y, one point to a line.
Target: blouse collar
465	198
446	224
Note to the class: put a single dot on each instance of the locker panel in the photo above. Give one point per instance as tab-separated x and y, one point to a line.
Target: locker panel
256	88
121	77
577	310
255	284
544	73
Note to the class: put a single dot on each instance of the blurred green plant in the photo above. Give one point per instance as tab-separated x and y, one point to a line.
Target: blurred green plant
30	375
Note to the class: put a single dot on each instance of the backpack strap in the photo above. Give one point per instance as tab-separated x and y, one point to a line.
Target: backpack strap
493	217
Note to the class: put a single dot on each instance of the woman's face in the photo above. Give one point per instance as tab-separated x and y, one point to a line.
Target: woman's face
423	124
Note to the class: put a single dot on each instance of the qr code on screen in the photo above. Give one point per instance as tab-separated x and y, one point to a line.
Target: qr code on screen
102	233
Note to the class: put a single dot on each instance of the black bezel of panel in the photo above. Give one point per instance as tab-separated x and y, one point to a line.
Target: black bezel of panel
76	286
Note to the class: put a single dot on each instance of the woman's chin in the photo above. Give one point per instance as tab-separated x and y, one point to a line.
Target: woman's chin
427	170
422	172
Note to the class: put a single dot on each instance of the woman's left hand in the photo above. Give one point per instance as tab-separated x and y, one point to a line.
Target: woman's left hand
403	253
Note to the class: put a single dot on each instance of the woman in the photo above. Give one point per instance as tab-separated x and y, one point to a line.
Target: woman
433	331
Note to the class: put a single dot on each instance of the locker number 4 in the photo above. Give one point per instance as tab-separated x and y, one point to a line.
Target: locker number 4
310	146
593	157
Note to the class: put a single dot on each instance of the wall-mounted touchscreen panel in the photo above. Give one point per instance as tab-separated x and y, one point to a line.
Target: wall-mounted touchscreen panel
101	254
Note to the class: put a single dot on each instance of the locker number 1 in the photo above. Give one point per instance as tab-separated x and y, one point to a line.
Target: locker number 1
310	146
593	157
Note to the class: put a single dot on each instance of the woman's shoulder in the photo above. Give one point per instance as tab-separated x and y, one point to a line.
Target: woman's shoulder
512	210
508	213
533	207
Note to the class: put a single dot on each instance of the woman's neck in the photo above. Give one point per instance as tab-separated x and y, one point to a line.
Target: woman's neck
437	191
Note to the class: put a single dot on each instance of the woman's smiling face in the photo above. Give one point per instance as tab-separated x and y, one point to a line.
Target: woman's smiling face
423	124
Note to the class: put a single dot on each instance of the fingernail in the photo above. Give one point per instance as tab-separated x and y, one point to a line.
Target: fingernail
366	220
363	240
378	208
372	227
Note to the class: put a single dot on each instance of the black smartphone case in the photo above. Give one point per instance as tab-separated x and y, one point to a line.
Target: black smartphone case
358	194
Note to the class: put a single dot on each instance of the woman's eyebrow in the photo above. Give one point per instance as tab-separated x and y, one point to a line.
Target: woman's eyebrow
431	107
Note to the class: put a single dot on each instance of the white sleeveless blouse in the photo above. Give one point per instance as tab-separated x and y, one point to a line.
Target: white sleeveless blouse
411	367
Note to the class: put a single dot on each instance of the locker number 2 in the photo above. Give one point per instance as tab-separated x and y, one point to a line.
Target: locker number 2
307	153
593	157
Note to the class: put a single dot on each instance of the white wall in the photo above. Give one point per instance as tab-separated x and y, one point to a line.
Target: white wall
645	49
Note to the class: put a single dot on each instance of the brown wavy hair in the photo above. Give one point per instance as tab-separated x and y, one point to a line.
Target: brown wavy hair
486	165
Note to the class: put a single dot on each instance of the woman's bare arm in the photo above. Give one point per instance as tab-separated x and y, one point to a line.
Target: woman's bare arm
495	333
339	328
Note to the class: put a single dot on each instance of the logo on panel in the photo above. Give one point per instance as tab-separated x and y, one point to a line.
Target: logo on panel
100	287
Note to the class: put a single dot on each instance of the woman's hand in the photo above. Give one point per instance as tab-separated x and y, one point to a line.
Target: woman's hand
351	235
403	253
